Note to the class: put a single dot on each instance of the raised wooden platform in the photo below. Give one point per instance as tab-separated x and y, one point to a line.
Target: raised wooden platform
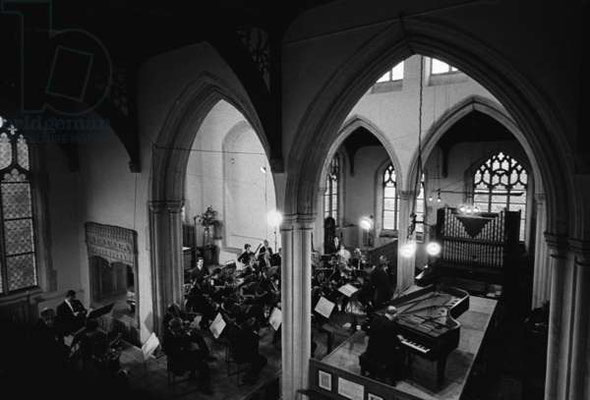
342	365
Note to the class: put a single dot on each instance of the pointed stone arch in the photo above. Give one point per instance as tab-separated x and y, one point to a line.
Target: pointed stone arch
170	154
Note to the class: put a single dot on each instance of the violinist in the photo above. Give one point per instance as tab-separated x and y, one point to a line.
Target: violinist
178	344
246	255
245	340
174	312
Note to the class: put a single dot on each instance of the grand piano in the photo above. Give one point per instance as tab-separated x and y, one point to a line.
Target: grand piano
427	322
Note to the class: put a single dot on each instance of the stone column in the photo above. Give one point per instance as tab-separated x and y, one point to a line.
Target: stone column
580	335
405	266
166	257
558	347
542	272
296	303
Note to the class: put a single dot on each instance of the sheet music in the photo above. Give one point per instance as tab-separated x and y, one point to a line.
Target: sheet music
324	307
150	346
276	318
196	321
348	290
68	340
217	326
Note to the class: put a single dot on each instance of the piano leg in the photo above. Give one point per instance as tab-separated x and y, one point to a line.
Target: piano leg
440	370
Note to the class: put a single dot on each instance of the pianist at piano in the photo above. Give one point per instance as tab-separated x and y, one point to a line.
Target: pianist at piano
384	356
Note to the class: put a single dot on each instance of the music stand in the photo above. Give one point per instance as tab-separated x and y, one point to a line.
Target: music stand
99	312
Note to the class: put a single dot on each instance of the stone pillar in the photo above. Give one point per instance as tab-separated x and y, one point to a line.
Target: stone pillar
580	335
166	257
405	266
542	272
296	303
558	347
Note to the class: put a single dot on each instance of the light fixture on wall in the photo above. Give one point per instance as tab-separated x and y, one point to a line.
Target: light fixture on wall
433	249
263	169
469	209
274	219
366	223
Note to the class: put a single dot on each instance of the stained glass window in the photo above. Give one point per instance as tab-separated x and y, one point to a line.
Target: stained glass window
390	199
332	193
501	182
18	269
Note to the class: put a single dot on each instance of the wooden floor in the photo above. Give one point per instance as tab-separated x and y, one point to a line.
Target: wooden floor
422	383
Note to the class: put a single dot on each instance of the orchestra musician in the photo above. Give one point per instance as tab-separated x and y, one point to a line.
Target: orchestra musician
174	312
244	338
185	353
71	314
246	255
384	356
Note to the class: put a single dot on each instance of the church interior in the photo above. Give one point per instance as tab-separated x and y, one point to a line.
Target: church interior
324	199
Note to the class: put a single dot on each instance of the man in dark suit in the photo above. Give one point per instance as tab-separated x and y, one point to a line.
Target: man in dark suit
377	288
71	314
384	355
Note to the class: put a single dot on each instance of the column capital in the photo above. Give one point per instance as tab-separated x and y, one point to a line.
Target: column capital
557	244
298	219
172	206
581	249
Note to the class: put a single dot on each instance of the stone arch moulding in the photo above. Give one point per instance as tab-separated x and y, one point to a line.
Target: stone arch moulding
540	126
459	111
352	124
169	162
171	150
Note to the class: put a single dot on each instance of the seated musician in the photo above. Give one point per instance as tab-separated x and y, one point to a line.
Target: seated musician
244	339
71	314
173	311
383	358
186	354
198	301
377	288
343	254
199	272
49	339
246	255
94	347
275	258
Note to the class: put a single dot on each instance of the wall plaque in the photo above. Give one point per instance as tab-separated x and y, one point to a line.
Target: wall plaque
113	243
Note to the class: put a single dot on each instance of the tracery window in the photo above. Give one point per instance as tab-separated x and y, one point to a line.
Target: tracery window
332	193
438	67
390	199
394	74
18	267
501	182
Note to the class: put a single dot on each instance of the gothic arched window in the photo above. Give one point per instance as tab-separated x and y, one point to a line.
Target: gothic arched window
390	199
332	193
501	182
18	269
